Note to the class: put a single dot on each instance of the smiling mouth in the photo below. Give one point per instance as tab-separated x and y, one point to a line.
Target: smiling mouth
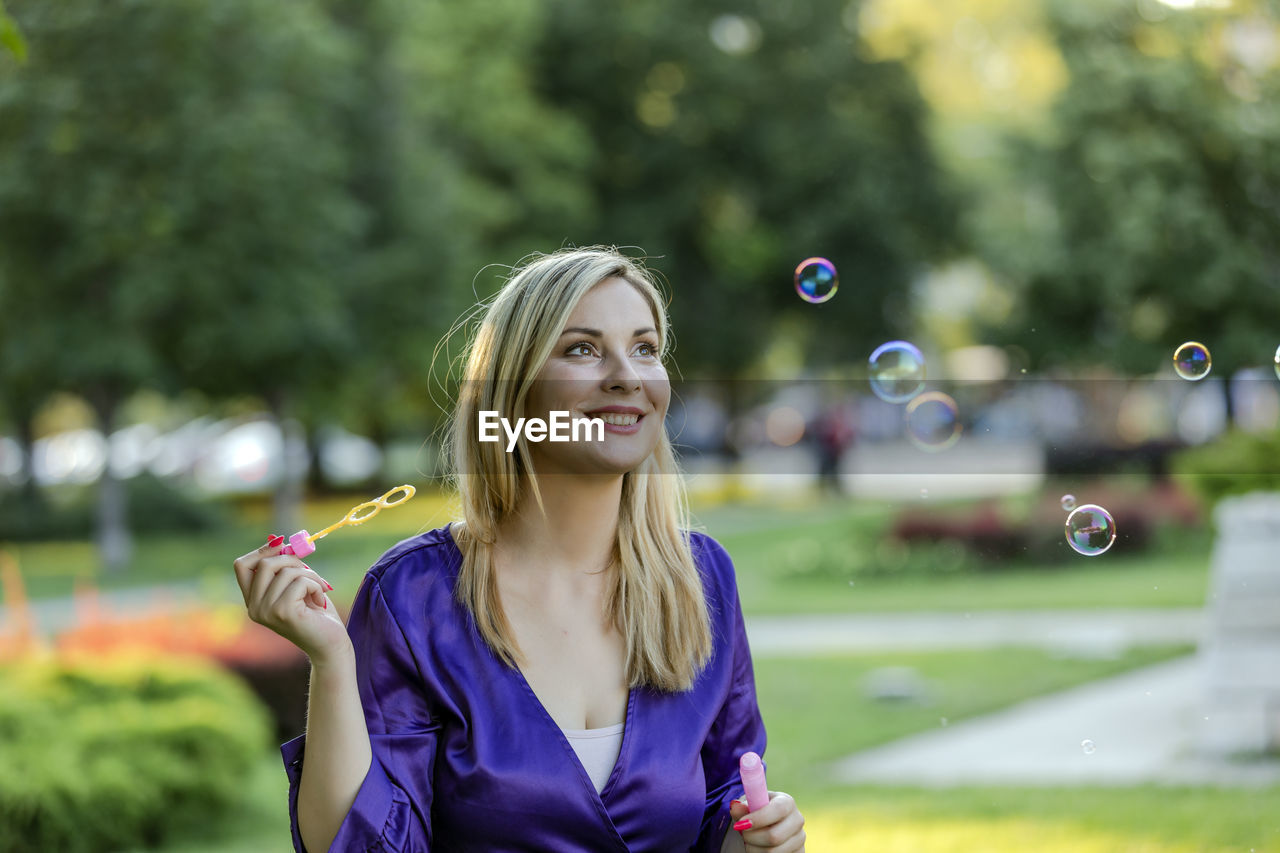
615	418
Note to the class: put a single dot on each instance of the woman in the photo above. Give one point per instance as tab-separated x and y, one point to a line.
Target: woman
564	670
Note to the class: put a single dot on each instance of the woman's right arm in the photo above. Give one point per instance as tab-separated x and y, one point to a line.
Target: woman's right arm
338	753
363	710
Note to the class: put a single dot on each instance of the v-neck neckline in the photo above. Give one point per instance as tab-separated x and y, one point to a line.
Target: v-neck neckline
627	722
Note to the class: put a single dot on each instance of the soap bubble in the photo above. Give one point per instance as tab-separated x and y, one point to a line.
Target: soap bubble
897	371
1192	361
1277	362
1090	530
933	421
816	280
1088	746
1068	502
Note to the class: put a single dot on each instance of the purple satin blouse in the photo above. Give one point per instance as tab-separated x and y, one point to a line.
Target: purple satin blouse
466	758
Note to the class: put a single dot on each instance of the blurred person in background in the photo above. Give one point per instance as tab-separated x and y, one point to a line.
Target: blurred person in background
565	667
836	432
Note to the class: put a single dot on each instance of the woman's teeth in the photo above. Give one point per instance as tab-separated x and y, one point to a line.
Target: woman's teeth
616	419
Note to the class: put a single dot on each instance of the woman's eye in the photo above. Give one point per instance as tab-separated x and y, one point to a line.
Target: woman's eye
573	350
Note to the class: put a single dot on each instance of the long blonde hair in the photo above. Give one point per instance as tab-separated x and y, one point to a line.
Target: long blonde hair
656	599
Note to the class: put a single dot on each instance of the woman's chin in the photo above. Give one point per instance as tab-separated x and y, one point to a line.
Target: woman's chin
595	463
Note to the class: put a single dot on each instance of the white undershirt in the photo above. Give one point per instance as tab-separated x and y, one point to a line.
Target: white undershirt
598	750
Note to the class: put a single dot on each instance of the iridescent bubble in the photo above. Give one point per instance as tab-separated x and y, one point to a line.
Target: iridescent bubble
1191	361
933	421
1090	530
1088	746
1277	362
816	280
1068	502
897	371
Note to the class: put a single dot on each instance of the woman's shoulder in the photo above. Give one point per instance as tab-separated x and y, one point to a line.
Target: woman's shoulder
705	547
712	560
418	566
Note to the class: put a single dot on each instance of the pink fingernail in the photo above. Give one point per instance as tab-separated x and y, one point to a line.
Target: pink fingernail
275	541
742	824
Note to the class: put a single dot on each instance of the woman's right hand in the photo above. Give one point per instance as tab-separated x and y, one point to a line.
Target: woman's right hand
283	593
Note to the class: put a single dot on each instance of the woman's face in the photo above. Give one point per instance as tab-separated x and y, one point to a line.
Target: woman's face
606	357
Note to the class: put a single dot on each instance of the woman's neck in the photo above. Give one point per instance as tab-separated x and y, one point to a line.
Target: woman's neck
577	534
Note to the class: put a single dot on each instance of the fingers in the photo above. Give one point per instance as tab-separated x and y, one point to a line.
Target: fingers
277	606
274	574
267	567
778	827
246	564
272	584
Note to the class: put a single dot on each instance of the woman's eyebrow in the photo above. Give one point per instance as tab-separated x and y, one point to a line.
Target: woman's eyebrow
596	333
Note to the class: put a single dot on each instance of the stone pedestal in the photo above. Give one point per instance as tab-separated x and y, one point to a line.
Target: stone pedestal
1240	652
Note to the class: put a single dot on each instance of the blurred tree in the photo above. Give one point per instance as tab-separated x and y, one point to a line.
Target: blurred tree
10	36
459	164
1151	209
736	140
173	205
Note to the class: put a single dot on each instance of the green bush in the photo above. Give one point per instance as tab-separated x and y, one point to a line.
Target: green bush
120	754
1234	463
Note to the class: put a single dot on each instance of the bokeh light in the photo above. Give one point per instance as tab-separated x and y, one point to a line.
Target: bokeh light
784	426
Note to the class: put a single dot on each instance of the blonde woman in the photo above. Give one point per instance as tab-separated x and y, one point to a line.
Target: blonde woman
565	668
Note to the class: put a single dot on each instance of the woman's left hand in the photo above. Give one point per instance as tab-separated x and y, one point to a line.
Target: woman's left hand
778	827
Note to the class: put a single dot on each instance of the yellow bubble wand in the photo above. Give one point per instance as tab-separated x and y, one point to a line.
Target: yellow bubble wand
302	543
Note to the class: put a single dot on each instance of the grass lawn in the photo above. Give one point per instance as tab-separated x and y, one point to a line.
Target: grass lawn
759	538
815	712
1046	820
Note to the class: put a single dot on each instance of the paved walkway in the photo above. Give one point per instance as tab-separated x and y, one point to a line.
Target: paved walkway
1136	728
54	615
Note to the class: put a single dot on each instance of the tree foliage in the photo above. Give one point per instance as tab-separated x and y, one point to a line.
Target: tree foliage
11	37
173	211
1152	209
734	141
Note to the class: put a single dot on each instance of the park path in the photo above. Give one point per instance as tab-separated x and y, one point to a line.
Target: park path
1139	727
